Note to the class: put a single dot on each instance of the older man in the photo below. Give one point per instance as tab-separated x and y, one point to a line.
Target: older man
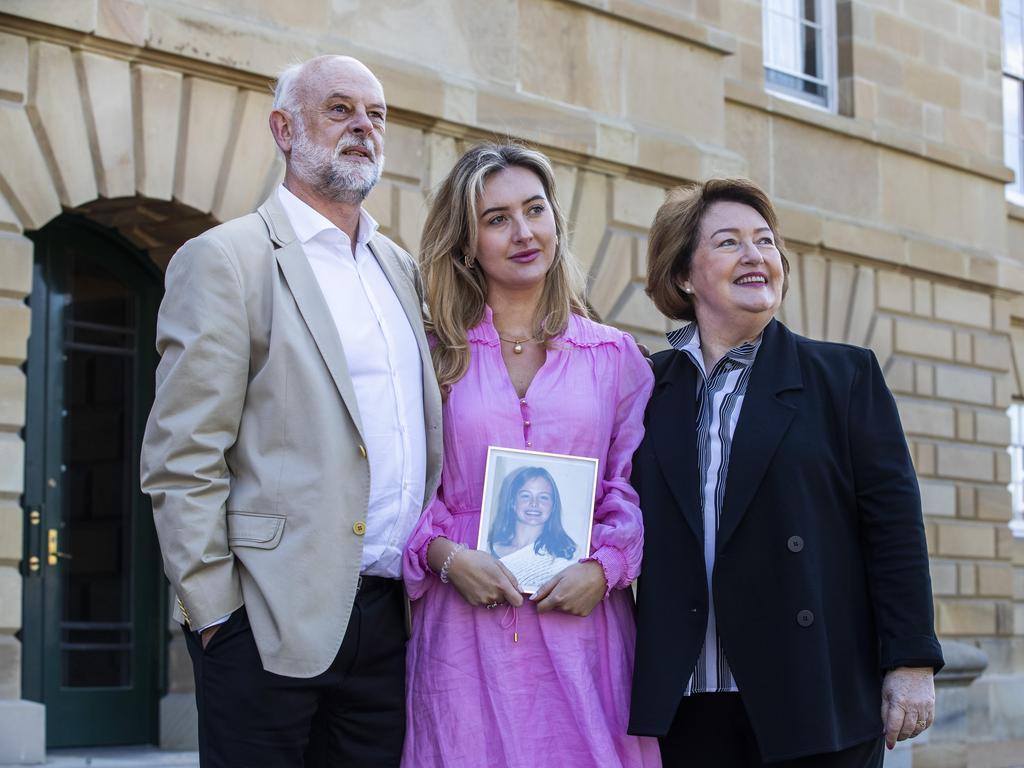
294	435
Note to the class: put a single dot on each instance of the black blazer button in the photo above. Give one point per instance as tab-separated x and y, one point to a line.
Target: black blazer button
805	618
795	544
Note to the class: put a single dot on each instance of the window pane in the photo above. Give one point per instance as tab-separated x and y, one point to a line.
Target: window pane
811	11
1011	105
812	52
1013	45
790	8
782	43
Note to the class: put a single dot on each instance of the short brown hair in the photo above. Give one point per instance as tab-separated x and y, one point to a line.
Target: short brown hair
675	234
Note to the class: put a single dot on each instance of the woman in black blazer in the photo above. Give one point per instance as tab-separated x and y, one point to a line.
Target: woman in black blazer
785	609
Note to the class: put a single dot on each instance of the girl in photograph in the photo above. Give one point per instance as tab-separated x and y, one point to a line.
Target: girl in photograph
494	679
527	533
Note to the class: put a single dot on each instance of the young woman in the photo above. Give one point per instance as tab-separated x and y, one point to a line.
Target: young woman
543	682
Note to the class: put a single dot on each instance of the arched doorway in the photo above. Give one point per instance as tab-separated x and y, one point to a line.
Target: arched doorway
94	603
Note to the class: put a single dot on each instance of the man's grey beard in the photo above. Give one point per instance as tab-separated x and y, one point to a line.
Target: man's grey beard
331	173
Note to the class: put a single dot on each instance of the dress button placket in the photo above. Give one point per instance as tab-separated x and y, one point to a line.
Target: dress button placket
525	412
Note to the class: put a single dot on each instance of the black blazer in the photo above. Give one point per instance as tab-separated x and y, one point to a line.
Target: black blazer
821	574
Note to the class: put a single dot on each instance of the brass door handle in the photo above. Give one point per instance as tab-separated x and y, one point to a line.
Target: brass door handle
52	552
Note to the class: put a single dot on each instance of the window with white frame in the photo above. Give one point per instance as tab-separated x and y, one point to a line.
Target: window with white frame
800	50
1013	95
1016	451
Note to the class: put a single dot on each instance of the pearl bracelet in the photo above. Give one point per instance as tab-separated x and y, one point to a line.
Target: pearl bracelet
447	564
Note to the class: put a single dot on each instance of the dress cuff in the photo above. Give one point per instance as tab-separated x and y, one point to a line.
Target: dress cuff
613	563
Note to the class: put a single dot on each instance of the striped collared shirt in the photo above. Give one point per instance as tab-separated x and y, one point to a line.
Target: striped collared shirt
719	400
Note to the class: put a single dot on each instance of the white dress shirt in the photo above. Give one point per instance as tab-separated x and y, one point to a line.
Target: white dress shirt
720	395
387	376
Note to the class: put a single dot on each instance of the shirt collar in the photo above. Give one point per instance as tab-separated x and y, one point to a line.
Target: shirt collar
687	339
308	222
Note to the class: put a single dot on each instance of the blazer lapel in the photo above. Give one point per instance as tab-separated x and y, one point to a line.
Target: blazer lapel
763	422
671	416
310	300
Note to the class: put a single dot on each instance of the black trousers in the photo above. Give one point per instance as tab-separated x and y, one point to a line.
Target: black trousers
351	715
712	730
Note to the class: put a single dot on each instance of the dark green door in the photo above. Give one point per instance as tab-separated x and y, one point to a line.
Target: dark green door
93	608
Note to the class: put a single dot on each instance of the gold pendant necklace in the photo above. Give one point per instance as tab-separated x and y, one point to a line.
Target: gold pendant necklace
517	346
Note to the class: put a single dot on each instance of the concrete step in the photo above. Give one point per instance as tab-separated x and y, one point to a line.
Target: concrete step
119	757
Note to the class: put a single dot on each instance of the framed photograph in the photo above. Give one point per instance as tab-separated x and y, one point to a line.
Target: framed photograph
536	512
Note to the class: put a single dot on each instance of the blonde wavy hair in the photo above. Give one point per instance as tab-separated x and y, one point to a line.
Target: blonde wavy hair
456	287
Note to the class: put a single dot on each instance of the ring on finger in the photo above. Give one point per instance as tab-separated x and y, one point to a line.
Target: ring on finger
922	724
492	605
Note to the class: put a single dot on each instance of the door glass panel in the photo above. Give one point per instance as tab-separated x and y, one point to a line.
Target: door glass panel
100	325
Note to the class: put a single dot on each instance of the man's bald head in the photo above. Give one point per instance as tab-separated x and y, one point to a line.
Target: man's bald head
296	85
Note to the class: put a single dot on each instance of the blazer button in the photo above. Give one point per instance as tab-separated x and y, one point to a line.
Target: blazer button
795	544
358	527
362	450
805	618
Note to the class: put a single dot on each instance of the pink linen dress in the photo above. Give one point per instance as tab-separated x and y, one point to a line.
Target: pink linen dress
560	695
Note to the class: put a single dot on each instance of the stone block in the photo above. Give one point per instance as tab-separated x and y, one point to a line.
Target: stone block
403	150
927	418
156	103
651	98
923	297
896	108
993	503
586	49
589	216
248	160
71	14
924	379
992	352
619	144
813	287
924	339
107	100
634	203
442	155
965	617
928	84
13	67
967	582
14	319
207	122
8	218
957	305
964	347
966	462
11	516
943	577
10	599
22	732
54	106
900	376
966	506
965	385
964	425
902	36
27	184
863	240
993	428
12	397
122	20
15	266
924	459
179	722
828	160
412	212
995	579
1005	542
10	668
938	499
612	272
965	540
894	292
379	204
536	120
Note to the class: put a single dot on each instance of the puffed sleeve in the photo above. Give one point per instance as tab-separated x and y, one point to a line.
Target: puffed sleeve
889	503
617	541
434	522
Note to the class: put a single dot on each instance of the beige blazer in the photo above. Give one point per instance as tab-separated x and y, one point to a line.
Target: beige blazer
252	454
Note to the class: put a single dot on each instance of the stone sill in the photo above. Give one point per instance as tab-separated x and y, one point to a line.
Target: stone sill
1014	210
908	143
898	249
676	25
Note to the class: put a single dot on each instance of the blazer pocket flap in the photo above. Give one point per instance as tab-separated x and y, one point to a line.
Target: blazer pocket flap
249	529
